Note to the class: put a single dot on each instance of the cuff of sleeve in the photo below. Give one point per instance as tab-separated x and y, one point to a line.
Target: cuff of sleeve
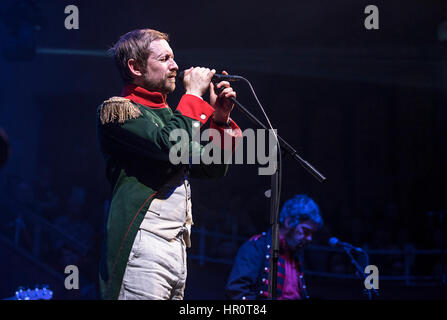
195	108
195	95
228	138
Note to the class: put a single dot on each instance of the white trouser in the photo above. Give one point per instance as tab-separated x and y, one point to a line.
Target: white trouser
156	269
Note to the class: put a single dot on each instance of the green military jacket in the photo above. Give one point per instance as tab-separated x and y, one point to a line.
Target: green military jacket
133	133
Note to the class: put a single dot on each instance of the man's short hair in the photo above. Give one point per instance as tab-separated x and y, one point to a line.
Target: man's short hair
300	208
134	45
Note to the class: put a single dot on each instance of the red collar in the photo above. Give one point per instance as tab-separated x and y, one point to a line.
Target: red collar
142	96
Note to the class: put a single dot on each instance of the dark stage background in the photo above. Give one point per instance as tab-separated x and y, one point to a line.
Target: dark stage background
365	107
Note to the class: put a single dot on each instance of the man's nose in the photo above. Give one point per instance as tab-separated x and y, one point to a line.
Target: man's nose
173	65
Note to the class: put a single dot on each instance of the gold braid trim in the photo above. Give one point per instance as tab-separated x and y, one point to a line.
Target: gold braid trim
118	108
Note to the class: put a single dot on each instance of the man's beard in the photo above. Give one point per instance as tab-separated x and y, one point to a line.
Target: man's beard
164	87
294	246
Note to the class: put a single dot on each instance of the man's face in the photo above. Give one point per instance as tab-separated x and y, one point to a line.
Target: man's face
301	235
161	68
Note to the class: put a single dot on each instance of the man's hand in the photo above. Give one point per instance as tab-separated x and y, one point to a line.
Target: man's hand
197	80
221	103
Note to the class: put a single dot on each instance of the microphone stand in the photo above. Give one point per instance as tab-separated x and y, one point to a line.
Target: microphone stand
360	270
284	145
274	198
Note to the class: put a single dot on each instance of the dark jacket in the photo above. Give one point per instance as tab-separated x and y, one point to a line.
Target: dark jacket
250	273
133	133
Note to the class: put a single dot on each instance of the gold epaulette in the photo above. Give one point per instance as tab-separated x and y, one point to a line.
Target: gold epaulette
118	109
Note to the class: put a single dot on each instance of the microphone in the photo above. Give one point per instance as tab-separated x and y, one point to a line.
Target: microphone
334	242
216	78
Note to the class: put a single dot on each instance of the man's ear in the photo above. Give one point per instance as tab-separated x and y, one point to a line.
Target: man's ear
134	68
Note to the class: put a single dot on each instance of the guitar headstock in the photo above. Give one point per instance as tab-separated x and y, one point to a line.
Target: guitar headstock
38	293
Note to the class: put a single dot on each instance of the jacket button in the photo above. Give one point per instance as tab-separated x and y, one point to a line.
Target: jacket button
203	117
